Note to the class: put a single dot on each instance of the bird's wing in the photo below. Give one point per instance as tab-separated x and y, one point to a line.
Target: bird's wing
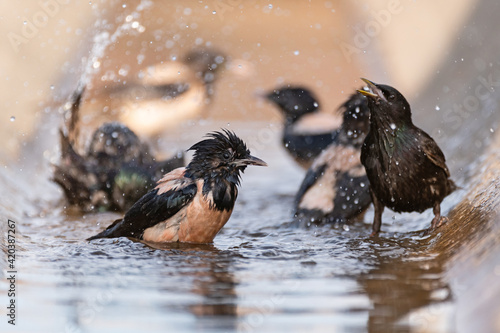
156	206
434	153
310	179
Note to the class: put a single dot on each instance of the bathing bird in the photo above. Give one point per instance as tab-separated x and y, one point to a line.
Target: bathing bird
190	204
113	172
306	130
335	188
153	98
405	166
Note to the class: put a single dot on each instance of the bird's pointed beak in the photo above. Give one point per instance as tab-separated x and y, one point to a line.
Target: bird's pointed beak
249	160
374	92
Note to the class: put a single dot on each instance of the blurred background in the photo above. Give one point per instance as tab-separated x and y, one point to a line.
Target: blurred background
325	45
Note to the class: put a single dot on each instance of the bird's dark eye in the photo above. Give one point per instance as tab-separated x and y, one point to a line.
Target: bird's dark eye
226	155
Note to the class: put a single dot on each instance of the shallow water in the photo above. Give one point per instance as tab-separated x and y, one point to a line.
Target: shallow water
261	274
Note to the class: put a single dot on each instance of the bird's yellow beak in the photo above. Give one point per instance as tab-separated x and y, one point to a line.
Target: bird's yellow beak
373	92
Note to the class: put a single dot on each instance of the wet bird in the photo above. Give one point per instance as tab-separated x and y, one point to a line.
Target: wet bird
190	204
335	188
306	130
116	170
405	166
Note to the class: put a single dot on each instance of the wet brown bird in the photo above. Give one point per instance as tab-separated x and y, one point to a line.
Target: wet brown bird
190	204
405	166
335	188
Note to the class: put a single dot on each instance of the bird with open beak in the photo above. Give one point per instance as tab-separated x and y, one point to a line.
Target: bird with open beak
190	204
405	166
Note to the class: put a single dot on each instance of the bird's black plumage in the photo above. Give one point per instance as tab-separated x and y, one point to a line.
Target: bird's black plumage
148	211
405	166
335	188
190	204
304	144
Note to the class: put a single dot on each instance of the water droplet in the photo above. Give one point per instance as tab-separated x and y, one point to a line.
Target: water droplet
114	134
96	64
270	6
51	87
124	6
393	126
397	162
345	227
362	184
295	107
214	12
12	118
492	130
315	104
392	199
25	22
437	108
296	52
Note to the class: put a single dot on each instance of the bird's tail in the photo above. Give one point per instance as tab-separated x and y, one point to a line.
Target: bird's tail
107	233
452	187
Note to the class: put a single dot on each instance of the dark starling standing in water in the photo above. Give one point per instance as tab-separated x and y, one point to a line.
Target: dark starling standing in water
405	166
335	188
306	131
190	204
116	171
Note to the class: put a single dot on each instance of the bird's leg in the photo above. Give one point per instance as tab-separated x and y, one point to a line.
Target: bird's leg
438	220
377	219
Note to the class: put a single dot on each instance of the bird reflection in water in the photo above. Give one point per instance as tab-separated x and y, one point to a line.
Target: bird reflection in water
212	278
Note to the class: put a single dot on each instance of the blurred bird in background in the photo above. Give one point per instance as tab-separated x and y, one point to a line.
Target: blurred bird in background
307	131
335	188
115	170
190	204
157	98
